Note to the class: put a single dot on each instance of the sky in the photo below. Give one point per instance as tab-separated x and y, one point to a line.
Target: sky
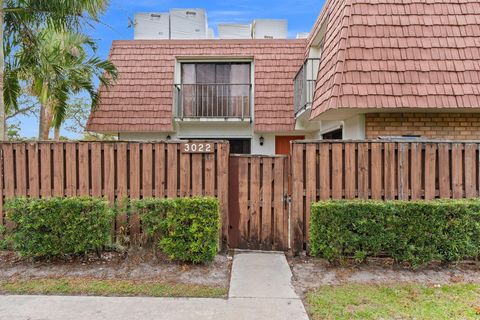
301	16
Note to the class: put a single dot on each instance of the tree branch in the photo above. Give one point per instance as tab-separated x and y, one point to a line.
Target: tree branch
20	111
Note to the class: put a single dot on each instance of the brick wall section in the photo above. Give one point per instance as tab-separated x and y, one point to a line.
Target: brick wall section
451	126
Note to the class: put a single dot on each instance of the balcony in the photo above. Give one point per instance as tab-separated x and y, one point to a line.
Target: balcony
213	101
304	85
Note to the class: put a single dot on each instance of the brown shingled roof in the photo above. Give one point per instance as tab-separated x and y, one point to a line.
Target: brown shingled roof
141	101
399	54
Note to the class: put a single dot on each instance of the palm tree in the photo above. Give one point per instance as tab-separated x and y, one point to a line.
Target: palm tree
59	68
18	21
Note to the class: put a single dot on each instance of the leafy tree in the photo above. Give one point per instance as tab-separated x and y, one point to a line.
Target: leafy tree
77	116
58	68
20	20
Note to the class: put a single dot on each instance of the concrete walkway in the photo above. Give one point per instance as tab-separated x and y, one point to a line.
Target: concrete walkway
260	289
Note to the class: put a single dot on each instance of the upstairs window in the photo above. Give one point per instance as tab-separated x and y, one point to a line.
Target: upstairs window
216	73
215	90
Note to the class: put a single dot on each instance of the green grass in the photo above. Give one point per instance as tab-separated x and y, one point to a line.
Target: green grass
85	286
408	301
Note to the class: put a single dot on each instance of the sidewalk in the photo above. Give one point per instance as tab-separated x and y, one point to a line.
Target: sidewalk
260	289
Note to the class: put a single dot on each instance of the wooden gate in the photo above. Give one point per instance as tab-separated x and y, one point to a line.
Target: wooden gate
258	206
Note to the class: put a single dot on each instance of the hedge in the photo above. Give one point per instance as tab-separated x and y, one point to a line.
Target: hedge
187	228
58	226
415	232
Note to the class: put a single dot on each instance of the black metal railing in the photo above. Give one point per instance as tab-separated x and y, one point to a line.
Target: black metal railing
304	84
213	100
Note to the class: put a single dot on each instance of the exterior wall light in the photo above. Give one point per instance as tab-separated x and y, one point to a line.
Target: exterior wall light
262	140
169	138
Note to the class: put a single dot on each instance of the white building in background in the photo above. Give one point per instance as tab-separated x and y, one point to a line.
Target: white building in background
234	31
151	25
188	24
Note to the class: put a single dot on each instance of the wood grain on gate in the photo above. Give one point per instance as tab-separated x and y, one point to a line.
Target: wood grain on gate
257	213
378	170
114	170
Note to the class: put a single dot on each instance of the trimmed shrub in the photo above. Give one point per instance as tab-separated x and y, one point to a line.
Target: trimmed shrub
58	226
187	228
415	232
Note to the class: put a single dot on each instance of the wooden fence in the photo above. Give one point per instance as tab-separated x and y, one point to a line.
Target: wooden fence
378	170
258	214
114	170
252	190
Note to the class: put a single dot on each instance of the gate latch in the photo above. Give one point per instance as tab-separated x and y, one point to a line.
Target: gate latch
287	199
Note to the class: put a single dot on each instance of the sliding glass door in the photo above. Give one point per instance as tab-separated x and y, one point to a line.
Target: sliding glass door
216	89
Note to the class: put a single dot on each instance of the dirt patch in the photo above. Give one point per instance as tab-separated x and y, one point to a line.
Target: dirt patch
311	273
134	265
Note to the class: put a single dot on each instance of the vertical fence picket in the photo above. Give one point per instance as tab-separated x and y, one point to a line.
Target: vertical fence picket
33	170
457	170
471	173
71	169
210	175
20	169
324	171
160	170
109	172
185	174
363	170
58	170
310	180
147	170
403	170
8	173
376	171
337	170
444	170
280	235
430	171
109	177
122	191
83	170
350	170
416	171
297	219
197	173
267	203
134	174
243	178
45	169
222	189
96	169
255	225
172	167
389	178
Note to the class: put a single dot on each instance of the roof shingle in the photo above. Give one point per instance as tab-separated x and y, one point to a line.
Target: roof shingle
399	54
142	98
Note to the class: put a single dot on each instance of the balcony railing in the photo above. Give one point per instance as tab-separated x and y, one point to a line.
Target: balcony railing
213	101
304	85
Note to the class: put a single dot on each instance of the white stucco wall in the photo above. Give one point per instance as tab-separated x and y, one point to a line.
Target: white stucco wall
195	130
144	136
213	129
354	128
268	147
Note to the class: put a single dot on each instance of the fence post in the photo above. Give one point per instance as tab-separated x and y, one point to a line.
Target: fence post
297	221
223	153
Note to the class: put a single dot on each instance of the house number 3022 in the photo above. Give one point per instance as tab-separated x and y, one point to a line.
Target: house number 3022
197	147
